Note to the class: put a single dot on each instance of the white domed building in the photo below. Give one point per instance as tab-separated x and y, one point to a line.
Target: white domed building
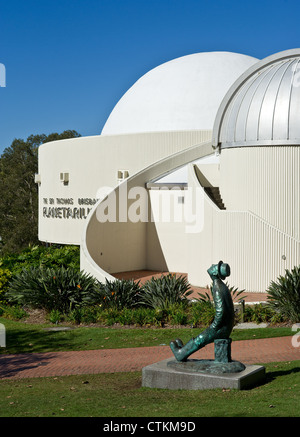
180	95
145	126
198	161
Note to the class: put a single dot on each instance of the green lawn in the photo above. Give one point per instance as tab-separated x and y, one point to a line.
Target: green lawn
22	337
121	395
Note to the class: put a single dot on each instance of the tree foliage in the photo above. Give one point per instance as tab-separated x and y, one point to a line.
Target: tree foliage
19	192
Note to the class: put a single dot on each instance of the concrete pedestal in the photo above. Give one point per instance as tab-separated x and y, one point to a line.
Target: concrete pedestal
168	374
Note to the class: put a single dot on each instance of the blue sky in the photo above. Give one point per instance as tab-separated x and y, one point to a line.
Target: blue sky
68	62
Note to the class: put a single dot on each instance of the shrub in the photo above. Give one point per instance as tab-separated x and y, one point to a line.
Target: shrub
90	314
284	295
234	291
260	312
116	294
52	289
15	312
165	291
85	314
145	316
257	313
126	316
202	313
42	257
39	257
178	314
5	276
110	316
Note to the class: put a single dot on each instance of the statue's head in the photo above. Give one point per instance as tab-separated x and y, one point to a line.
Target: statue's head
220	270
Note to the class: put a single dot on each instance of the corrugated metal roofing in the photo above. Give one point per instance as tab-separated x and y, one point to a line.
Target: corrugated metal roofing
263	106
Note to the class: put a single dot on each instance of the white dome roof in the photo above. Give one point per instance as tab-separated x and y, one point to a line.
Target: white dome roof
182	94
263	106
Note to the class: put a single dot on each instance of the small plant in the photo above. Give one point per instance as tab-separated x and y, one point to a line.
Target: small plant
165	291
76	315
55	317
284	295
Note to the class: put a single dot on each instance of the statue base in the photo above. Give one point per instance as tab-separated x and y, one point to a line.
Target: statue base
207	366
194	375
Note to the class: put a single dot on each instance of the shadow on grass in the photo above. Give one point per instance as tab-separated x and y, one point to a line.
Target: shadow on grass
33	340
271	376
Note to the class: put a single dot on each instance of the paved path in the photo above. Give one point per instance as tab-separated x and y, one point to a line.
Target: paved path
134	359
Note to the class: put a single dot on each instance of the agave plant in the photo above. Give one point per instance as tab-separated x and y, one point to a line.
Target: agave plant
236	294
165	291
234	291
119	293
60	289
284	295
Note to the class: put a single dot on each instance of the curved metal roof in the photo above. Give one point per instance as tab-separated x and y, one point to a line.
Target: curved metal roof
263	105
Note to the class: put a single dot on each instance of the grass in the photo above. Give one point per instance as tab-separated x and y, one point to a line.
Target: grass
23	337
121	395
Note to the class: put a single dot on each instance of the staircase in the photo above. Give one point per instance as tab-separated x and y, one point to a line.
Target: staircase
215	196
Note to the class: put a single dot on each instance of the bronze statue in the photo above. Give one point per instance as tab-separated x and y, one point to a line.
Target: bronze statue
223	322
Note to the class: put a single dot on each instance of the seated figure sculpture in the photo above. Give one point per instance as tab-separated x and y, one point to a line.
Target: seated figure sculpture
223	322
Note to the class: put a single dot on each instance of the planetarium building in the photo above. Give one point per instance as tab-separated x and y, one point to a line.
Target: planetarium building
199	161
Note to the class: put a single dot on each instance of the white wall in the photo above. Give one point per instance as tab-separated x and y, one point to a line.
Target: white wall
93	163
167	232
256	251
111	247
265	181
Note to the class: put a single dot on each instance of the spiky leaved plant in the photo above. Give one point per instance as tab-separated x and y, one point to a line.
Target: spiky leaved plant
119	293
165	291
60	289
236	294
284	295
